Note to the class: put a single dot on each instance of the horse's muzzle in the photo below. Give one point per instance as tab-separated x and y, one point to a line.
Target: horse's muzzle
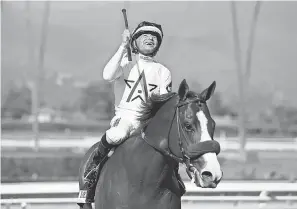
206	173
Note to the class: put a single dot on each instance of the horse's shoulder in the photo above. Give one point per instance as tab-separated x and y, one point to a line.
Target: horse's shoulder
131	143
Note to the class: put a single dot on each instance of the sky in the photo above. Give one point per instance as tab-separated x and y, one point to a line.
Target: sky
197	45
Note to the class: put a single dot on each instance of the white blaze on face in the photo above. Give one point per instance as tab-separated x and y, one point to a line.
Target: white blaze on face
211	161
203	124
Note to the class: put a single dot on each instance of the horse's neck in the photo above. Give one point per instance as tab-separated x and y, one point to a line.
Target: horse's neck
161	128
160	124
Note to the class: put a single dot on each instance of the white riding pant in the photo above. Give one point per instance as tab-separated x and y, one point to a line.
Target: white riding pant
121	128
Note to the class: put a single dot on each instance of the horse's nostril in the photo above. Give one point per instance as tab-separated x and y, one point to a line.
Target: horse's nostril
206	174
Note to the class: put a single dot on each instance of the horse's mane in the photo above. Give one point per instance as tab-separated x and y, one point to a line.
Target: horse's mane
152	105
155	102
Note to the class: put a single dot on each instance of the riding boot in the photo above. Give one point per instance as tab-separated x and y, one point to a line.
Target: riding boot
181	184
91	172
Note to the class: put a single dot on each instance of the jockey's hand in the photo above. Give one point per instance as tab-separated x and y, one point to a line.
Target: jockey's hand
126	38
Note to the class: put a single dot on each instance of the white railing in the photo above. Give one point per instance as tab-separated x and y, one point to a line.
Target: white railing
72	187
89	141
236	199
265	192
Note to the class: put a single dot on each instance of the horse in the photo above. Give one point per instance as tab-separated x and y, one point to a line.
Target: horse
140	172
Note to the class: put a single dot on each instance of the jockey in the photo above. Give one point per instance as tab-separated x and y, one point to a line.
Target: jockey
134	81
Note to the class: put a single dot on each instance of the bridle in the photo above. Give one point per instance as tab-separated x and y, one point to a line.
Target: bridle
185	158
212	146
200	148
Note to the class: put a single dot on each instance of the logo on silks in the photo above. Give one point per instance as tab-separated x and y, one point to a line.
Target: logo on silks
140	93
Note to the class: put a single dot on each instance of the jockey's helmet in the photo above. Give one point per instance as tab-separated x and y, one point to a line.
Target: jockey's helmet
147	28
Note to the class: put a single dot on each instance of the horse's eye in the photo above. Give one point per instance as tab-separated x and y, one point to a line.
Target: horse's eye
188	127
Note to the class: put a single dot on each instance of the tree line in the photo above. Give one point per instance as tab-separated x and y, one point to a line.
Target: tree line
96	101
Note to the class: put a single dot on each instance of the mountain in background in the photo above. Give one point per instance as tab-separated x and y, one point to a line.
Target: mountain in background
197	46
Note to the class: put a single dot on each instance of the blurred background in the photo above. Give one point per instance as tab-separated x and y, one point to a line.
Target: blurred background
55	104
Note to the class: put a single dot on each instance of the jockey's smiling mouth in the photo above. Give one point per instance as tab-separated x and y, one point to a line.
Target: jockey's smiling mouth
148	41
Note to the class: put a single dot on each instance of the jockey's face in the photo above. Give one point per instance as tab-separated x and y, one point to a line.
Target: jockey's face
147	43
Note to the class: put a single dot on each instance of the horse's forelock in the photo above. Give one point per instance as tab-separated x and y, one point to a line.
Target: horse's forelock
191	95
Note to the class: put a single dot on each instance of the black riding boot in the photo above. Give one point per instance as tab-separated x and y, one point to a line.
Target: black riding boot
181	184
91	172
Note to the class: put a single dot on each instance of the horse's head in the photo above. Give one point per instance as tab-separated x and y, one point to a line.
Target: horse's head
195	130
181	127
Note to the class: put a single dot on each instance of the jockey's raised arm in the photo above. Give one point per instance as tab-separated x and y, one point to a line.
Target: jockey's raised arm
113	70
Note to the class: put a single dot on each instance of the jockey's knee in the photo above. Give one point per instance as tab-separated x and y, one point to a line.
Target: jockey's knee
117	135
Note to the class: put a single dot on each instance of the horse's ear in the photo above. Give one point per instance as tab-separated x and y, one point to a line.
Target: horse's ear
207	93
183	90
